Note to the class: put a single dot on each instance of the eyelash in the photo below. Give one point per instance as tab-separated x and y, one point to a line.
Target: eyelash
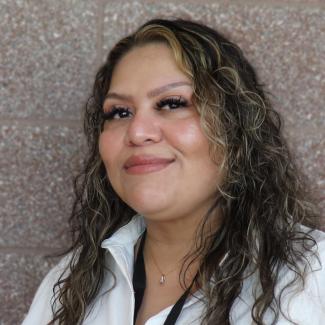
179	101
172	101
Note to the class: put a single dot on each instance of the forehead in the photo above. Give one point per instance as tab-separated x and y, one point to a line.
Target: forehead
150	63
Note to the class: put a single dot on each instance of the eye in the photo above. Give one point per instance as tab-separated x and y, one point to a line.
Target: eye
172	103
117	113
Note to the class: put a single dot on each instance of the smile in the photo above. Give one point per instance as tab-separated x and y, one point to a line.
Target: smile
145	164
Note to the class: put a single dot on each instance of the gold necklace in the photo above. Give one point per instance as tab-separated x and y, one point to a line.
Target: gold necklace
163	274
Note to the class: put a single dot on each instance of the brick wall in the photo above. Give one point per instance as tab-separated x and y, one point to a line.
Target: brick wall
49	53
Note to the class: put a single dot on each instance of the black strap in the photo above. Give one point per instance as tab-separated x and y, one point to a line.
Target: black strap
139	285
139	278
177	309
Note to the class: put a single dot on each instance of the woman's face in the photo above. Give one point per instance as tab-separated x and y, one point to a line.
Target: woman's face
155	153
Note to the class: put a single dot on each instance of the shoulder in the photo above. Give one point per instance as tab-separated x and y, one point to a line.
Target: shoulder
319	237
40	311
316	257
311	260
304	304
307	304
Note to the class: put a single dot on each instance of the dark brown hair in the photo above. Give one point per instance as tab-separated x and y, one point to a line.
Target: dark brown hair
262	198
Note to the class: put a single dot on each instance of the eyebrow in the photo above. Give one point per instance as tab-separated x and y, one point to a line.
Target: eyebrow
152	93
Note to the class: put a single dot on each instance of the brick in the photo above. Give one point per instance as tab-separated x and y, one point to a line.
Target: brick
20	275
38	165
48	53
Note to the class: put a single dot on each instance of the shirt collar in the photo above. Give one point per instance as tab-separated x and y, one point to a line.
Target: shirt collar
127	235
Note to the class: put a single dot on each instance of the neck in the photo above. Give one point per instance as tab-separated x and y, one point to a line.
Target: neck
169	242
177	233
164	258
170	234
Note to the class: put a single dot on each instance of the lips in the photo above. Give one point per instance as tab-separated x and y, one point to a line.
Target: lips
145	164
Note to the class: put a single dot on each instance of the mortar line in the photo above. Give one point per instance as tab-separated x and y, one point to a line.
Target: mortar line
40	122
29	250
271	3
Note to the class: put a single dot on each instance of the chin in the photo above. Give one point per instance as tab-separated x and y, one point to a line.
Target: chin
148	207
149	210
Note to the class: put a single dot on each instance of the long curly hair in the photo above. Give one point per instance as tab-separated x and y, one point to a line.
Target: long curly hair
262	197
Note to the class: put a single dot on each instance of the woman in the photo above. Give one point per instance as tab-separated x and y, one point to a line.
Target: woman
190	209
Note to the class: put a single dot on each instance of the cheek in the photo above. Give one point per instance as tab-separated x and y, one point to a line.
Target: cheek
102	147
109	152
190	140
189	137
107	149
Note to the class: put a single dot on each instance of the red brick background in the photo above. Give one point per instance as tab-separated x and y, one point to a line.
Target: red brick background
48	55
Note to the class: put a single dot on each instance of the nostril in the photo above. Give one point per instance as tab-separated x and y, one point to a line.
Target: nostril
143	132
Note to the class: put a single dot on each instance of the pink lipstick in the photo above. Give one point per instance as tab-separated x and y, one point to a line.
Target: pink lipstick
142	164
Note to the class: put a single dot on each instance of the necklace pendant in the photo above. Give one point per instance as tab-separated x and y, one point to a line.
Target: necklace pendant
162	279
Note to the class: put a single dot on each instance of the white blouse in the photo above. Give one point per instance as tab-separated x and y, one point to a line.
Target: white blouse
306	307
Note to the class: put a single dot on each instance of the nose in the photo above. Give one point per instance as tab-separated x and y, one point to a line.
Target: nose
144	128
